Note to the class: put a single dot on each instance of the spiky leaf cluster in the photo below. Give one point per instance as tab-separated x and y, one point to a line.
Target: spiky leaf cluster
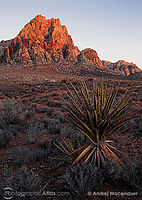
100	116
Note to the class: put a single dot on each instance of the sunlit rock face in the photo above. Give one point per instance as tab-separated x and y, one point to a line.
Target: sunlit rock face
90	57
121	66
41	41
45	42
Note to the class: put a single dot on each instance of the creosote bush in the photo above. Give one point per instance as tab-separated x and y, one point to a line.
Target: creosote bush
10	120
81	179
133	175
21	156
23	180
10	112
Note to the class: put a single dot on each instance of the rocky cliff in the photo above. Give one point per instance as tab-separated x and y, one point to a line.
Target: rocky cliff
89	57
121	67
45	42
40	42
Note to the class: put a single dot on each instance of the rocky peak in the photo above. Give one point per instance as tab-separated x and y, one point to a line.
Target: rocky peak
106	63
90	57
46	42
122	67
41	41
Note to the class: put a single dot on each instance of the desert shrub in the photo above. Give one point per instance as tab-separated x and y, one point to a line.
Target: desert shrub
133	174
82	178
22	180
5	137
45	145
25	100
61	117
54	103
10	112
54	126
137	126
67	132
50	111
34	105
29	111
10	120
24	156
39	154
111	171
36	100
49	146
35	127
75	138
42	109
43	151
21	156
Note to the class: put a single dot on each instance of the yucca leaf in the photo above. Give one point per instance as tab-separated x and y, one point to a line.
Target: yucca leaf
81	123
82	154
109	155
75	123
84	157
111	136
73	150
112	99
90	154
114	156
68	145
86	101
119	119
107	103
119	124
80	148
124	99
113	148
78	110
118	111
87	92
79	97
99	119
93	141
95	118
104	96
98	98
90	120
95	96
65	150
98	155
77	93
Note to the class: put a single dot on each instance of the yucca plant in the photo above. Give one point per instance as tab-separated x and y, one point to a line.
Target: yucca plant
100	116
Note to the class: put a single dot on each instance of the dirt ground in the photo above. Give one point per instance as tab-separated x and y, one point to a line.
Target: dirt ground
41	89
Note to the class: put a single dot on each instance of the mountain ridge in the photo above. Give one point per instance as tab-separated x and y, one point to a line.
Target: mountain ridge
44	42
126	68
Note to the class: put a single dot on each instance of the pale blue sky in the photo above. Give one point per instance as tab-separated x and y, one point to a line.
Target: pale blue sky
112	27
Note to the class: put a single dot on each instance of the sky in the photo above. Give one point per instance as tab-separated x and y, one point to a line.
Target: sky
112	27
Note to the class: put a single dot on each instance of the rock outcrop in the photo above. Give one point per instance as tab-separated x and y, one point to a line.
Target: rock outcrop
90	57
40	42
45	42
121	67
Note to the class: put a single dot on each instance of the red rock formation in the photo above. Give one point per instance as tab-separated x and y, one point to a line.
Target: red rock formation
122	67
46	42
42	41
106	63
90	57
